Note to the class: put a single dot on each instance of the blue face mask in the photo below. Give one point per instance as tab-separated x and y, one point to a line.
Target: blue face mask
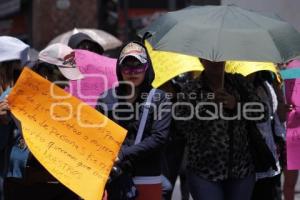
6	92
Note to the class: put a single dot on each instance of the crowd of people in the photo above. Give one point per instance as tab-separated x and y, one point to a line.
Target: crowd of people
201	133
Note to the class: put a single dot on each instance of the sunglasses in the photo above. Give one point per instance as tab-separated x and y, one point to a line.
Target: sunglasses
134	69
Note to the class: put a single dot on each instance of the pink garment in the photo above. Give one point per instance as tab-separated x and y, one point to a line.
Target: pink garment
99	75
292	91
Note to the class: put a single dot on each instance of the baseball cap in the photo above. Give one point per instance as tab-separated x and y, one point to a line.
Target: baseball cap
63	57
12	48
135	50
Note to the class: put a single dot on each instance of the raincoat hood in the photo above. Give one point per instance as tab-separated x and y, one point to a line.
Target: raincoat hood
149	74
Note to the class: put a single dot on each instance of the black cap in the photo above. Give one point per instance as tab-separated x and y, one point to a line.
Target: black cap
78	38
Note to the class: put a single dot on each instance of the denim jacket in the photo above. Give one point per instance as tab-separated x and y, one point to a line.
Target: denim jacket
13	153
266	128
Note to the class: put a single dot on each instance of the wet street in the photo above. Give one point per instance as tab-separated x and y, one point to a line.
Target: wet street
177	195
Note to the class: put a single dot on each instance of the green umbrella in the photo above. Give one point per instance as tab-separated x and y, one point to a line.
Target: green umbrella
220	33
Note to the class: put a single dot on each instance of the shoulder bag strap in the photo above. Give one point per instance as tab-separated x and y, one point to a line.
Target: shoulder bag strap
144	117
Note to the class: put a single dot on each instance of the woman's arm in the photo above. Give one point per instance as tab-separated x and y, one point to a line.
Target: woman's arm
253	107
4	108
5	126
158	134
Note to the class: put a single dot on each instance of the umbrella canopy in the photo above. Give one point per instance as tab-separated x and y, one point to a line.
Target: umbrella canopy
106	40
247	68
221	33
168	65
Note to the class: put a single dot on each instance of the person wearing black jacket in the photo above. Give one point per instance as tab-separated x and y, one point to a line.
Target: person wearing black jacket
125	104
83	41
174	156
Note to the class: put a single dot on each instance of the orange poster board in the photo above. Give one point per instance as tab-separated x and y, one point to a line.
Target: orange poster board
73	141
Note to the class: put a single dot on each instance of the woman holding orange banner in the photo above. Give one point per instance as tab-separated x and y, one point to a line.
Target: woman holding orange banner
24	176
145	113
13	54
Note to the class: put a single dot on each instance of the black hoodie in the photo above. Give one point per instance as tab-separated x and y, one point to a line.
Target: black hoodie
77	38
145	157
149	76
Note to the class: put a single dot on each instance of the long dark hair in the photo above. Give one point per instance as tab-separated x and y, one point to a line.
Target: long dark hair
9	72
51	72
262	76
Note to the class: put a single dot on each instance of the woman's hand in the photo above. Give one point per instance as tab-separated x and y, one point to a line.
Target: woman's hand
105	195
227	99
282	111
4	108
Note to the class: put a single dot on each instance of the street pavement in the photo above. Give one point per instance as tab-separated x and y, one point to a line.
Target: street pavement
177	195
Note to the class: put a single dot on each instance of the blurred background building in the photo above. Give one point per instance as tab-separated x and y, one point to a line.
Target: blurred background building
15	18
37	22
